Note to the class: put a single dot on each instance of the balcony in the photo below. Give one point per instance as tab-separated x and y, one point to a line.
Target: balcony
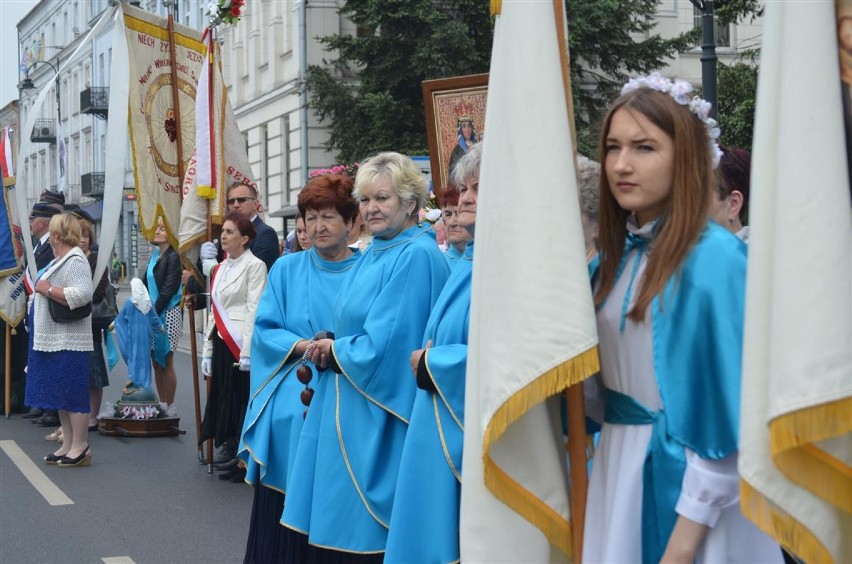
95	101
44	131
92	184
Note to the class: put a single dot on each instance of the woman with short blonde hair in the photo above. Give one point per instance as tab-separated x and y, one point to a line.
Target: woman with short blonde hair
59	352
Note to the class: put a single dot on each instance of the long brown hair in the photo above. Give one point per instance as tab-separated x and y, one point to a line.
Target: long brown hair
686	209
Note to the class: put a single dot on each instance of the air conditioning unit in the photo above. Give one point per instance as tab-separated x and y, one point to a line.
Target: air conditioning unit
45	132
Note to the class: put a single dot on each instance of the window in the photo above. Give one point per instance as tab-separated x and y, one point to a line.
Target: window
723	32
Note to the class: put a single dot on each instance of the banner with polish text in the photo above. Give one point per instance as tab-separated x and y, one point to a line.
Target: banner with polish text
156	124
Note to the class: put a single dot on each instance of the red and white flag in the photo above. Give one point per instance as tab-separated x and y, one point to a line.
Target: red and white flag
8	169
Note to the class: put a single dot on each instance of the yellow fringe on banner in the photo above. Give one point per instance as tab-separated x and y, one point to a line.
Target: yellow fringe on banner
820	473
163	34
208	192
496	7
792	439
552	382
781	526
8	181
554	526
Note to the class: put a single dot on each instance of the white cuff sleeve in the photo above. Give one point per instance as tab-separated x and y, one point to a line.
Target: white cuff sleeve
708	487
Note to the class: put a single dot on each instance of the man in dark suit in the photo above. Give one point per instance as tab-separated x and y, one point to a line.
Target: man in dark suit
49	204
242	199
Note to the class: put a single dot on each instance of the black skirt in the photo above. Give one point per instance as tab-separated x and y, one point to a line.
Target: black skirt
266	539
99	376
228	399
298	551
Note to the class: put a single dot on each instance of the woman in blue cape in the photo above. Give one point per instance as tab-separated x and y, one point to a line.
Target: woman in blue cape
344	476
457	237
295	306
670	294
424	523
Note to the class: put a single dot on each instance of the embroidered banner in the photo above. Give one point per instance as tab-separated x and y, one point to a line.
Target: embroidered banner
13	298
219	161
155	123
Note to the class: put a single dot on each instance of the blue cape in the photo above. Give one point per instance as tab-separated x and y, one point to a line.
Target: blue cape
424	523
295	305
348	455
697	327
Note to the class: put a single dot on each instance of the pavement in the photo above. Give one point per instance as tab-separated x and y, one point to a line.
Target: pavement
143	500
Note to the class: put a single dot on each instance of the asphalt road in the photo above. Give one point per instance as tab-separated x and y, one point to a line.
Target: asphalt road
142	500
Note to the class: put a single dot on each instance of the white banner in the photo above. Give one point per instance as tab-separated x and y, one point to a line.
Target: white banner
532	321
796	423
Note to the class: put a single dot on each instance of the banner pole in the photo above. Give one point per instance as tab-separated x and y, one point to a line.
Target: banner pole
574	395
175	98
8	366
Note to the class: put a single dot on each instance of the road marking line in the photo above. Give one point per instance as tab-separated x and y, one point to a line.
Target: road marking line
118	560
48	490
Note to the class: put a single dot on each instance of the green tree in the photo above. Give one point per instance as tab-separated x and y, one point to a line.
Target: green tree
370	95
399	44
737	91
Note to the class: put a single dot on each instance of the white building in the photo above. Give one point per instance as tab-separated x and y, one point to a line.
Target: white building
679	16
47	36
264	59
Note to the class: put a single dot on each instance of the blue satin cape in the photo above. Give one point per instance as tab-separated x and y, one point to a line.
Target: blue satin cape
698	334
348	456
424	524
295	305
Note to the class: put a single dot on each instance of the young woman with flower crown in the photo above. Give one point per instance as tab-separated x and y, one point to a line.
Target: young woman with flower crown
670	296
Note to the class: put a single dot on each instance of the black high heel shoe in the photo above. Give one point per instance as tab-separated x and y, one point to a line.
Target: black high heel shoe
53	458
85	459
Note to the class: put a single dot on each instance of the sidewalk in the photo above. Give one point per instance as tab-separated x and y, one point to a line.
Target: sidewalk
184	342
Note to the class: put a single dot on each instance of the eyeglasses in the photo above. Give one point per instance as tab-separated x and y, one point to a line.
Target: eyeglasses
242	200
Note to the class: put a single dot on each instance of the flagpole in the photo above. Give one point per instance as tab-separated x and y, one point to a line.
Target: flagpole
574	395
175	98
8	367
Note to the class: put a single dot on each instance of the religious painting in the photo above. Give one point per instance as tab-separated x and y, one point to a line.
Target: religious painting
844	40
455	121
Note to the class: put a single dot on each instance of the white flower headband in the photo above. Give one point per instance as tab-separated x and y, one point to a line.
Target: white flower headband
679	90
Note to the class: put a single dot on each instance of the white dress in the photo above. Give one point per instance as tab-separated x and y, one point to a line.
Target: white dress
710	489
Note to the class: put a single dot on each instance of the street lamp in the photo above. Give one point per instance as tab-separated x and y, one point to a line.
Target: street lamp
27	83
708	52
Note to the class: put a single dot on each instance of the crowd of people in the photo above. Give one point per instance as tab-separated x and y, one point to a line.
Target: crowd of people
337	362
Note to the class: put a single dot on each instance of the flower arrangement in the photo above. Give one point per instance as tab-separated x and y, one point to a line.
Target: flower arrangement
143	411
431	212
227	12
351	169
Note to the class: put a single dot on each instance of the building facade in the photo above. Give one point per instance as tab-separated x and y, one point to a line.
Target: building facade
47	37
265	58
679	16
